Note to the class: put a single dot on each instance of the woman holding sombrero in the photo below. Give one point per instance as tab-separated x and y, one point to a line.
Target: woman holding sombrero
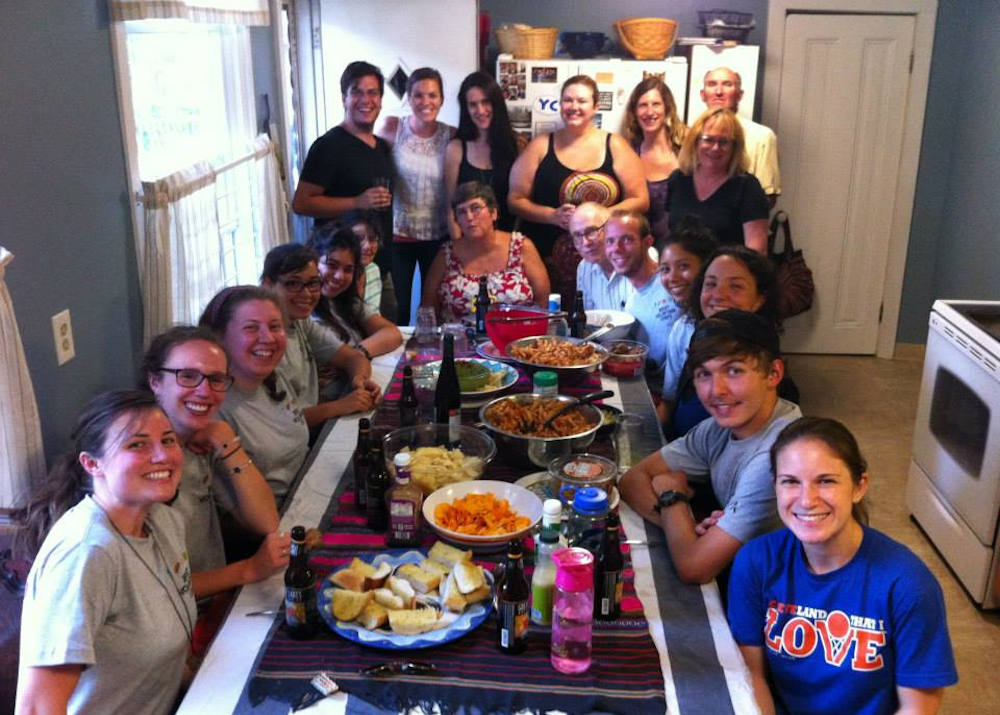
574	164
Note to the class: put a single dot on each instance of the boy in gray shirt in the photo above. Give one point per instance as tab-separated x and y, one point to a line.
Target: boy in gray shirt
735	361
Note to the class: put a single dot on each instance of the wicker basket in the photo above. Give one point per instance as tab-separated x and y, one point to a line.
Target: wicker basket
506	38
647	38
536	43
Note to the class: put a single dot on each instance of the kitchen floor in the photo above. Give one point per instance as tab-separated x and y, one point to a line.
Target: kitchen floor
877	400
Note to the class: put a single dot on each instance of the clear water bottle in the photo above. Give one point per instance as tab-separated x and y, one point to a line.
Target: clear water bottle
573	610
586	521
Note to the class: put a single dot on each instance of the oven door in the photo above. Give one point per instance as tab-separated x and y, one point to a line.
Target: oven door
956	438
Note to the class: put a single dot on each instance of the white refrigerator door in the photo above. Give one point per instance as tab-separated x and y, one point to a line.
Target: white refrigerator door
742	59
399	37
617	78
531	88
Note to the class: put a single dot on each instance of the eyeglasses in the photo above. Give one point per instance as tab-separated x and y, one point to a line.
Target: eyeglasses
589	233
470	210
295	286
188	377
721	142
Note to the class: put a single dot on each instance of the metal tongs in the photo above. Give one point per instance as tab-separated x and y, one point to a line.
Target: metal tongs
399	667
551	315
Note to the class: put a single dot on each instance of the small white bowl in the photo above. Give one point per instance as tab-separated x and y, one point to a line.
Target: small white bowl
622	321
522	501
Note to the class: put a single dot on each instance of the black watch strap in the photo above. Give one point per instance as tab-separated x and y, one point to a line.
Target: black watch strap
669	497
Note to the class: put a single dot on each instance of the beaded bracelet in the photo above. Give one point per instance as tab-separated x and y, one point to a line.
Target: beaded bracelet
240	468
224	447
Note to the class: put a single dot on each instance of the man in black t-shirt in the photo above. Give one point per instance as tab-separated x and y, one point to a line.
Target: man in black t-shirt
349	169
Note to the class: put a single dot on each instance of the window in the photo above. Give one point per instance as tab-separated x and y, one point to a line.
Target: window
204	183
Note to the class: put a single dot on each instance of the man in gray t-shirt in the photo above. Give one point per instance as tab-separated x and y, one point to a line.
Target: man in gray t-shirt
736	365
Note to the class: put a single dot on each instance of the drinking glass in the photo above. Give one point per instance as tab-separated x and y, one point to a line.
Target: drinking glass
426	330
461	341
628	440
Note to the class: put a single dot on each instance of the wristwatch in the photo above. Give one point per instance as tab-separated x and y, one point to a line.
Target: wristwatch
669	497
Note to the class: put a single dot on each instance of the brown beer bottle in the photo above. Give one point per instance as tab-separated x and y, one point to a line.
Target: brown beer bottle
301	616
513	594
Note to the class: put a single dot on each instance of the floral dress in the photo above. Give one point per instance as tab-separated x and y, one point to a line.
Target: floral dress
458	289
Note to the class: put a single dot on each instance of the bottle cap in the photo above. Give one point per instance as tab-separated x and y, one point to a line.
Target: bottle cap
407	371
298	533
590	500
551	512
574	569
545	378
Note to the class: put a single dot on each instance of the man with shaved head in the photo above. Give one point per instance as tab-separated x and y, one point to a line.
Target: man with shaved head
722	87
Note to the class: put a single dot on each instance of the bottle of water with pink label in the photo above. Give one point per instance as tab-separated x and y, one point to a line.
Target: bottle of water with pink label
573	610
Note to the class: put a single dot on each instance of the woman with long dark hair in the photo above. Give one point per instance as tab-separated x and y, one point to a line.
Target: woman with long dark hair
109	604
485	146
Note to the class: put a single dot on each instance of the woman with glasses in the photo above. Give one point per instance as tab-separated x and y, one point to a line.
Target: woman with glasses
712	182
188	372
339	308
654	130
513	269
291	270
261	406
485	146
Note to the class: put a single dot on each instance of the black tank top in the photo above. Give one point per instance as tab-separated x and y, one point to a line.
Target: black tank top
556	184
499	180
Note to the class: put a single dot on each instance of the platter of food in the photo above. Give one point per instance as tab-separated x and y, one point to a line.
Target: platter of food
557	353
408	600
440	454
482	514
477	378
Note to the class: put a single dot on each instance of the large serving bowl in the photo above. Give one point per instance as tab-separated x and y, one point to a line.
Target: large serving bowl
471	442
577	370
521	500
502	330
532	452
597	318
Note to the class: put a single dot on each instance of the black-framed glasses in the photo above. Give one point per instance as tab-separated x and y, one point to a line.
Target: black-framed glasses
589	233
293	285
189	377
721	142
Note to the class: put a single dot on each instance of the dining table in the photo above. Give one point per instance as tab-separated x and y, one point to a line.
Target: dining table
669	651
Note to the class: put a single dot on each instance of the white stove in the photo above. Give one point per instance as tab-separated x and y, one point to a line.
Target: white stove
953	490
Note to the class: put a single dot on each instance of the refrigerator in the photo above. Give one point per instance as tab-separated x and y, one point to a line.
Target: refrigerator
531	88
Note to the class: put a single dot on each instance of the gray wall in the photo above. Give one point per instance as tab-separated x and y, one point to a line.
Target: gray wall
954	250
64	204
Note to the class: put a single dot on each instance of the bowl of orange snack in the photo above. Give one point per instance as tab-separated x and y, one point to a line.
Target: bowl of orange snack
483	513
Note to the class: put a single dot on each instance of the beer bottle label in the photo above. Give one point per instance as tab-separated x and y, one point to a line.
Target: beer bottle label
513	622
402	521
299	603
608	594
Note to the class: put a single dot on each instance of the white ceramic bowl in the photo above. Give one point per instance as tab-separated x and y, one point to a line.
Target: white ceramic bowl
522	501
620	319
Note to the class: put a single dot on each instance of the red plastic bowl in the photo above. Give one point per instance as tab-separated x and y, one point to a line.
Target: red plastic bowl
502	333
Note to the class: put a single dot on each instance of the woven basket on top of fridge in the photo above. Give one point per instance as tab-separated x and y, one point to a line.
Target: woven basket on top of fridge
535	43
647	38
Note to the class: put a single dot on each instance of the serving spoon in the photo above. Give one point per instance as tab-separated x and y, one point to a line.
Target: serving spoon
585	400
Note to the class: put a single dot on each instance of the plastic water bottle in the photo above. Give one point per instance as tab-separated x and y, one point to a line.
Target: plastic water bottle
559	326
573	610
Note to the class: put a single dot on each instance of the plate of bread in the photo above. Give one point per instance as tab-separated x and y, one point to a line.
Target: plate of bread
413	599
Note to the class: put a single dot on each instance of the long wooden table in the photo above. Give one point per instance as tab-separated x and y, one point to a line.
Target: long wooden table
703	671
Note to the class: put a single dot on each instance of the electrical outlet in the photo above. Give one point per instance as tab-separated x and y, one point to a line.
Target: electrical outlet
62	331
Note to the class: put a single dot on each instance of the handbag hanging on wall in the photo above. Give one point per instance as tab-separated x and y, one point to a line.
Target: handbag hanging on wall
795	279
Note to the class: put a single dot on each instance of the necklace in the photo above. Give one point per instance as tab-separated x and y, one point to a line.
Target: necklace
186	622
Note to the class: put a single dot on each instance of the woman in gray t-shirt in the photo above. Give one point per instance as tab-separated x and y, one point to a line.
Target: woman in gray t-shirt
109	606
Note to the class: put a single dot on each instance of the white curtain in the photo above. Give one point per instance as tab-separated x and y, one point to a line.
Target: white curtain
269	194
180	268
22	460
241	12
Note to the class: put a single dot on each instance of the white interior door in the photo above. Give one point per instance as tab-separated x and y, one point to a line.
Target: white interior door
841	113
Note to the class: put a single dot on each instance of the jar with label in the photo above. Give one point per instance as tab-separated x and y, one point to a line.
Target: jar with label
404	500
545	382
575	471
586	523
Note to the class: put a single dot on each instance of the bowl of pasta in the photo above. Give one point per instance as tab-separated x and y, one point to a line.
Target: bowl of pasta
441	454
569	357
517	425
